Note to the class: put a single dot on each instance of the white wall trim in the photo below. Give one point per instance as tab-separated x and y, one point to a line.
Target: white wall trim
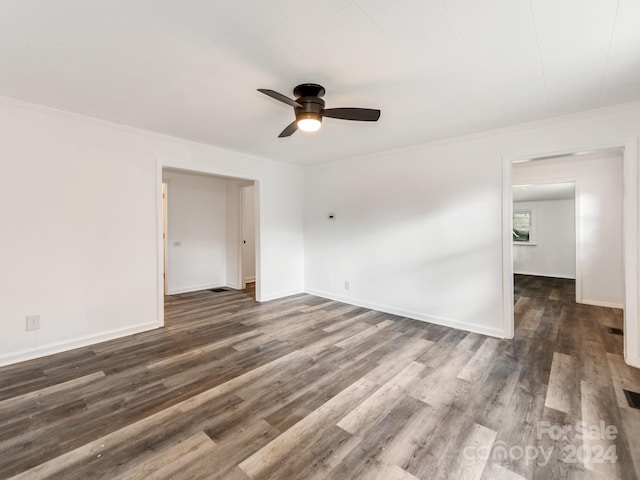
239	252
185	166
37	107
279	295
630	252
521	127
598	303
577	230
165	233
257	212
66	345
630	238
160	245
445	322
509	129
508	325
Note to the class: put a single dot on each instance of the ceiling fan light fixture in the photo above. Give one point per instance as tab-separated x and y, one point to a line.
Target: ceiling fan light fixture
309	122
309	109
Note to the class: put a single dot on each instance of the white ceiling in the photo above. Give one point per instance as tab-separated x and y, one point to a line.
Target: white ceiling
436	68
549	191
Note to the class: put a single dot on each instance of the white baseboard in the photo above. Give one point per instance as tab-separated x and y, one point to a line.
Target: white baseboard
533	274
275	296
66	345
445	322
250	279
196	288
598	303
633	362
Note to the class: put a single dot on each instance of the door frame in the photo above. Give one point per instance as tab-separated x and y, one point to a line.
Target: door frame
165	235
243	280
629	149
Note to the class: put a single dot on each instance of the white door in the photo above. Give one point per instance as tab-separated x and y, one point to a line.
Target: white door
248	235
164	237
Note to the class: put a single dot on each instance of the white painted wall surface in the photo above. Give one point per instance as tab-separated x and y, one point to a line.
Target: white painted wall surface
599	207
418	230
79	227
197	231
413	234
554	252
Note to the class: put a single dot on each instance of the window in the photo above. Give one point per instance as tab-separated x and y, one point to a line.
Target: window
523	226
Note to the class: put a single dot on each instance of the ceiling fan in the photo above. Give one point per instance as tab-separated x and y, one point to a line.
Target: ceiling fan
309	109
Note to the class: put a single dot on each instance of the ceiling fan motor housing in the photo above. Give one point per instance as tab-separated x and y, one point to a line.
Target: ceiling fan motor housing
308	90
312	107
308	95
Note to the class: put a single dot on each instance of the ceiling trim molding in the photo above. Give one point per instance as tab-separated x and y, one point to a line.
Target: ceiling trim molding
44	109
516	128
522	127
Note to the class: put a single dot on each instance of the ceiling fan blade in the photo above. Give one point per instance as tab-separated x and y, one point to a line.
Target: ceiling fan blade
290	130
280	97
360	114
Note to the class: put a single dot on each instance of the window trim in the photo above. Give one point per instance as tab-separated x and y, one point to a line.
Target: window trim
532	225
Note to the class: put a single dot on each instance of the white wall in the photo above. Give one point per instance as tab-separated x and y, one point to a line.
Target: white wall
599	207
79	233
196	248
414	234
418	231
553	253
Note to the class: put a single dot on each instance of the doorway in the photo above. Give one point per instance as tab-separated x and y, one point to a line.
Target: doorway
545	231
627	151
200	233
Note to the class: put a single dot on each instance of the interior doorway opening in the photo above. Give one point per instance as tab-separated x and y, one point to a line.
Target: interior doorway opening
615	289
545	242
546	230
209	233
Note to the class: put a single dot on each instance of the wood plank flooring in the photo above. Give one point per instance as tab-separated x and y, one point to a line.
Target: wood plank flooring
308	388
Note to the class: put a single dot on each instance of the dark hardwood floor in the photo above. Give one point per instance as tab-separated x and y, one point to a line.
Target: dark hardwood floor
307	388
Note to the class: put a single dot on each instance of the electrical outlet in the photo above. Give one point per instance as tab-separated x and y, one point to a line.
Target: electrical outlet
33	322
347	285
